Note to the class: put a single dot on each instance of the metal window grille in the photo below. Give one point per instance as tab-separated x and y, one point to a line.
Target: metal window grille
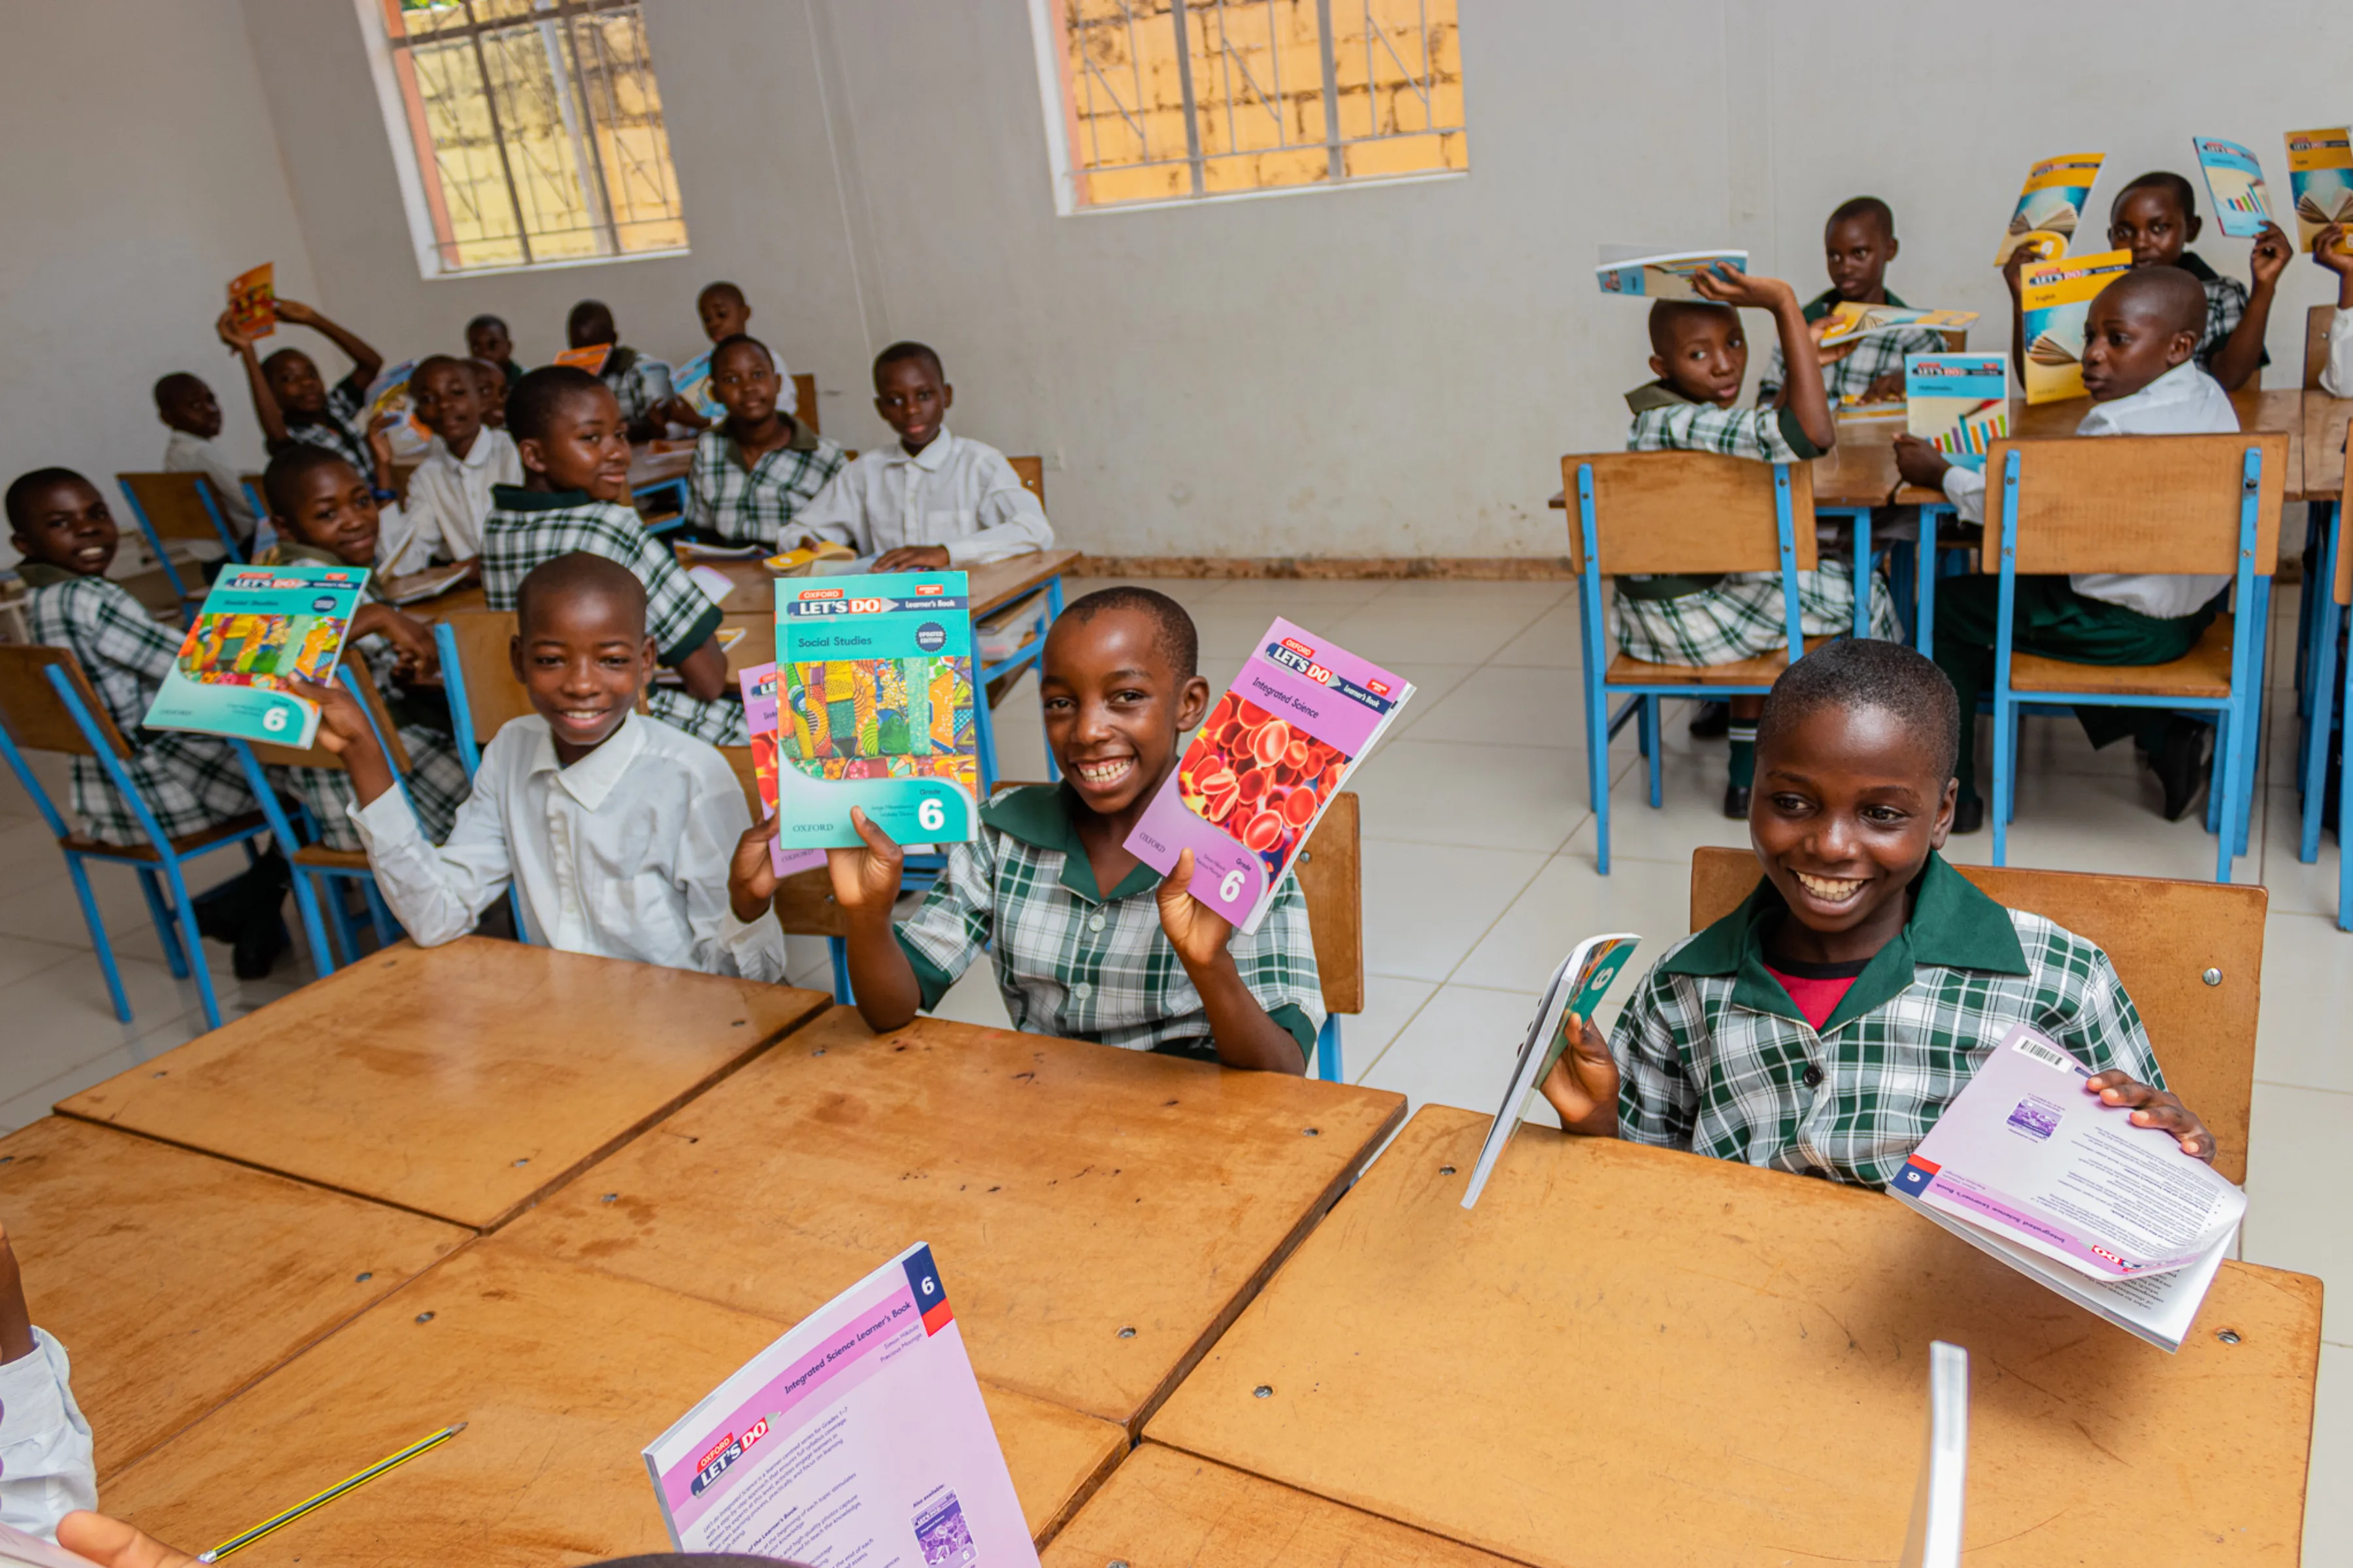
538	129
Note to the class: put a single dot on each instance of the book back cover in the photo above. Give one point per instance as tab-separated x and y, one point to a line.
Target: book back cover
1631	270
260	627
691	382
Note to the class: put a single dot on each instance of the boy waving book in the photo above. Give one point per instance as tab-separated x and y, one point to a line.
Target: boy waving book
261	626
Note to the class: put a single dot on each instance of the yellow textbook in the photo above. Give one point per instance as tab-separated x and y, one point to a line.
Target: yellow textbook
2056	297
2320	180
799	562
1850	321
2050	207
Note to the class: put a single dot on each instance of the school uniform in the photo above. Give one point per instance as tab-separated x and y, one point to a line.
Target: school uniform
1882	354
959	494
450	496
2226	305
1720	618
752	505
2104	617
342	425
46	1469
190	782
2336	375
1075	960
187	453
638	383
527	527
1715	1055
624	853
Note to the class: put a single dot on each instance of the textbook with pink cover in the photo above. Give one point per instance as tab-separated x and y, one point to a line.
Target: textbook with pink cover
759	688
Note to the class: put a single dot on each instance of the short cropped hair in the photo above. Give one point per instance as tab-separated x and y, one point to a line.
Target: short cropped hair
900	351
487	319
734	340
576	575
2161	180
293	464
1665	313
1173	630
286	356
536	400
178	381
1864	206
430	362
2169	293
1869	672
27	486
721	287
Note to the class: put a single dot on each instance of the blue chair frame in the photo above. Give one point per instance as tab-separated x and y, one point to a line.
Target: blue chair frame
213	509
461	732
2316	673
1029	653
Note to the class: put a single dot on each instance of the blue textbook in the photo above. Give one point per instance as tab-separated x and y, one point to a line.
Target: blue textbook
1958	403
260	626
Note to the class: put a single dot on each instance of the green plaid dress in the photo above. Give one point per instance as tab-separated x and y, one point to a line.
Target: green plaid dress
527	527
752	506
341	428
1713	1056
1882	354
1075	963
190	782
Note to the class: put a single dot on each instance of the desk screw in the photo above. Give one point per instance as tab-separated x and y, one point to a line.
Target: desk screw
2229	1336
363	1279
1311	1132
2212	977
1116	1562
1127	1333
423	1317
1445	1170
524	1161
611	1198
165	1072
819	1052
1264	1391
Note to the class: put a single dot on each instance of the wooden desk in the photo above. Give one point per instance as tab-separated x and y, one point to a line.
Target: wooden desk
659	463
2324	446
1069	1192
992	586
460	1081
563	1375
174	1279
1164	1507
1627	1354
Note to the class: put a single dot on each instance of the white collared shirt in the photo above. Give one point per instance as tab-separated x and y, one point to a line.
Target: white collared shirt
450	496
623	855
957	493
2336	375
46	1470
2184	401
186	453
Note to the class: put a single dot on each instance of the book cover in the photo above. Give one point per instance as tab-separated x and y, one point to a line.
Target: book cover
2050	205
388	395
2235	183
803	561
875	699
2056	297
590	358
858	1437
1958	403
691	382
253	300
1576	988
759	688
260	627
2319	180
1850	321
1638	271
1250	788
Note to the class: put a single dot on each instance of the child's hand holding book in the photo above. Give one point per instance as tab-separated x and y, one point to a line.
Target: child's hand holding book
866	878
752	875
1198	933
2154	1107
1583	1085
344	730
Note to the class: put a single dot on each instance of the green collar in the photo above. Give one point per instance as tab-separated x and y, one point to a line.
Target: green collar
41	574
1824	303
1040	816
1951	925
516	497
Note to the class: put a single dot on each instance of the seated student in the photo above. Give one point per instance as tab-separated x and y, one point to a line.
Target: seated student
1701	357
449	493
1088	942
190	411
760	466
1823	1027
491	389
327	515
1859	242
2329	251
47	1469
2141	341
488	340
726	314
576	496
641	384
294	403
932	499
60	525
617	829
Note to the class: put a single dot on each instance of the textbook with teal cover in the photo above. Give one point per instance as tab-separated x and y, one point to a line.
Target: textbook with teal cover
1958	403
691	382
1640	272
2234	181
1576	988
260	625
874	697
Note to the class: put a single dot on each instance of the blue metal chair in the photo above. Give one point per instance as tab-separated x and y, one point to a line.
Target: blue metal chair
479	684
2323	615
48	704
182	507
2205	505
1674	512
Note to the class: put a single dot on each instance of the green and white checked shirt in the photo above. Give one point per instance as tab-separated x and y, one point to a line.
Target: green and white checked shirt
2226	306
636	383
1667	421
341	428
1882	354
1713	1056
1075	963
752	506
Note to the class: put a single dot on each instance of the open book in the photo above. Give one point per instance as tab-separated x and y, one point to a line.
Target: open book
2235	183
1958	403
260	627
1934	1540
2026	1167
1645	273
2050	205
2055	300
1851	321
1576	988
807	559
416	587
2320	180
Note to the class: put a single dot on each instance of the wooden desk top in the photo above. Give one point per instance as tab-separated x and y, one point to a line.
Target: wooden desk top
1629	1354
648	466
1164	1507
173	1279
563	1375
2324	446
459	1081
991	586
1068	1191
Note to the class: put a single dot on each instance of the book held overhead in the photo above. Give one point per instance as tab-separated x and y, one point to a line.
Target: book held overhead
2055	301
2050	207
2234	181
1641	272
260	626
2319	180
253	301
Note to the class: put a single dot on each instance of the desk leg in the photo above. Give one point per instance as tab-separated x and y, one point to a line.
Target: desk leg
2321	615
1924	587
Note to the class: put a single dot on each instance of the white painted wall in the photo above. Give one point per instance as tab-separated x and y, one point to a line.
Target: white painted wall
142	174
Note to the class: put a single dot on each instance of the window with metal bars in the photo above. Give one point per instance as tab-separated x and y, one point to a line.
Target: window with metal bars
536	127
1156	100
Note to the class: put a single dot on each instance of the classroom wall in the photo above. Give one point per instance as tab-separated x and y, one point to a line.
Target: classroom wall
142	174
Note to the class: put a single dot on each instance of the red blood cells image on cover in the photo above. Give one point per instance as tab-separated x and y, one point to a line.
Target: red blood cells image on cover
1258	777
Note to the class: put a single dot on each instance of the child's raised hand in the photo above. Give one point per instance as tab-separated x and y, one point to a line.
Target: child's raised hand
237	342
2154	1107
2329	248
1820	325
1583	1085
343	727
752	875
296	312
865	879
2271	254
1725	284
111	1543
16	1317
2014	271
1919	463
1887	388
1198	933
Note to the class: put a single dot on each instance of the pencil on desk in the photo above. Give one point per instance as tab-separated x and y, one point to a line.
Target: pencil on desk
277	1521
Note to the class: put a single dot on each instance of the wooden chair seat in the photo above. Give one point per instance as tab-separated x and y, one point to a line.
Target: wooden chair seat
320	858
2203	671
185	845
1762	670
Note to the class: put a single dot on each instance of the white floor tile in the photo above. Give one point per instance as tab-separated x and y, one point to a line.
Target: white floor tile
1432	685
2328	1496
1403	631
1690	813
1500	797
22	956
2308	998
1519	705
975	999
2296	887
1551	641
1459	1050
2295	1207
1428	905
1570	901
1390	1004
1304	601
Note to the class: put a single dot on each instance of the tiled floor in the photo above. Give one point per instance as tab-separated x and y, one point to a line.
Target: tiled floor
1478	874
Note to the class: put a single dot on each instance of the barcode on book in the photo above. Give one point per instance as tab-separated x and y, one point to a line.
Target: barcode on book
2048	1056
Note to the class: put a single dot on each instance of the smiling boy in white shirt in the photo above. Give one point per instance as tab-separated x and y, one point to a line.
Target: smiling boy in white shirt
449	493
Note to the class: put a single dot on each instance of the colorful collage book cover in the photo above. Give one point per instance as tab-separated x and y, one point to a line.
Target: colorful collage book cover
260	625
875	709
1958	403
2320	180
759	688
2235	183
253	301
2050	207
691	381
1250	788
2055	297
1628	270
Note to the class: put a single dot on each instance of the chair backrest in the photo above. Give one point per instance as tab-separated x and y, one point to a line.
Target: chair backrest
1331	870
1031	472
2163	937
2135	503
355	675
2315	343
173	505
804	401
1687	512
30	706
494	695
